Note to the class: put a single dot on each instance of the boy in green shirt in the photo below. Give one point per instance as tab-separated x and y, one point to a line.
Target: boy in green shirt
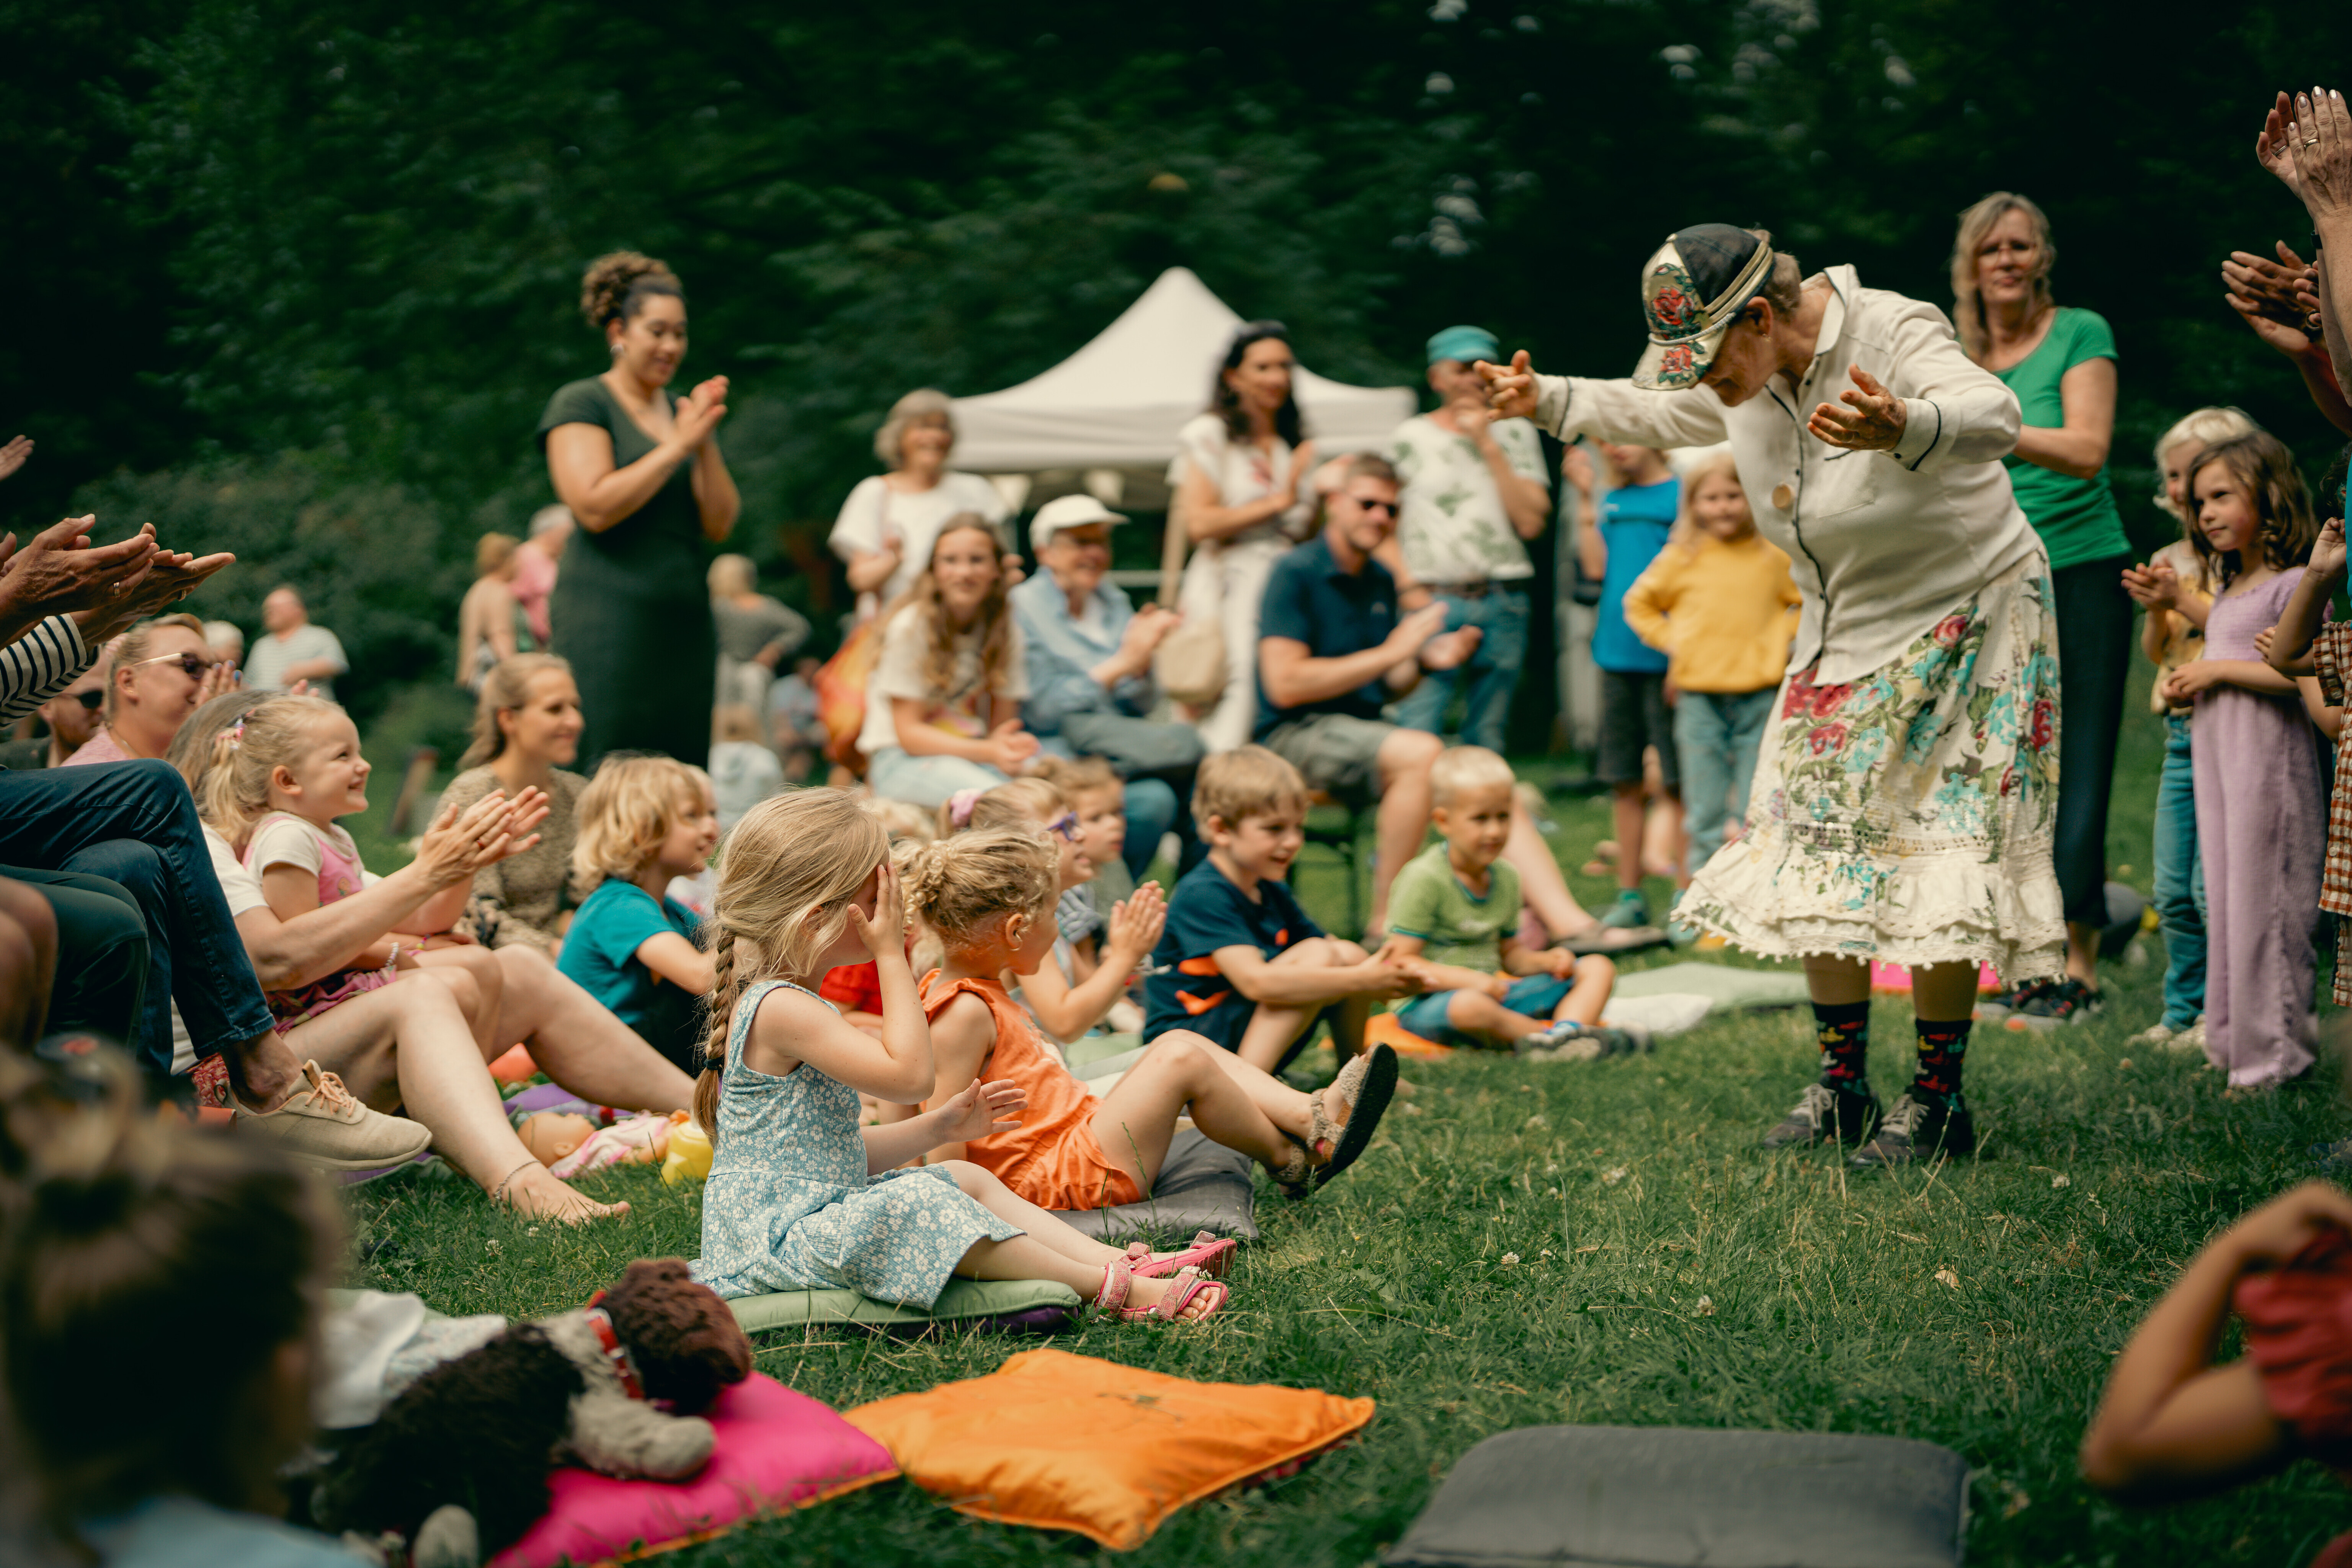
1453	920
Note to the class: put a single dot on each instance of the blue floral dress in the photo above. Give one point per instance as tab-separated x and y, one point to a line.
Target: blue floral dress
790	1206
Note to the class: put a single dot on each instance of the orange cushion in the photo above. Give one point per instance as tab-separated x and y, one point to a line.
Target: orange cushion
1382	1029
1066	1442
515	1066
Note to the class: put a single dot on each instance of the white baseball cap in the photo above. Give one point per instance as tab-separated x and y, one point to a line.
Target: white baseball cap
1067	511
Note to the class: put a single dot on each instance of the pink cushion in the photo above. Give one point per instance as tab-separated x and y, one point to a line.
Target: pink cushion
777	1451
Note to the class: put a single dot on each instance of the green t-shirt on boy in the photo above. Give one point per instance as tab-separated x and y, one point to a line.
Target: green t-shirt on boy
1429	900
2077	519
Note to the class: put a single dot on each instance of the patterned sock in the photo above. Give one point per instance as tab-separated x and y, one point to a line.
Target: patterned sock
1844	1030
1942	1048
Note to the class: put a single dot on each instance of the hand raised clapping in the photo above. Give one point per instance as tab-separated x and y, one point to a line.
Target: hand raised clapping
1873	420
2154	587
492	829
1135	923
982	1109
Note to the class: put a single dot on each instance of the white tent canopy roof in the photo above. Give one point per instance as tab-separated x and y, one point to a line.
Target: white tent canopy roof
1119	401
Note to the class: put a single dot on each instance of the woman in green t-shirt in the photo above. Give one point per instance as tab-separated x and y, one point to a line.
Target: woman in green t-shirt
2060	362
641	471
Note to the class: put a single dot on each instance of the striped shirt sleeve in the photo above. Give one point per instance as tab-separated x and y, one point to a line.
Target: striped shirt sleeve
40	664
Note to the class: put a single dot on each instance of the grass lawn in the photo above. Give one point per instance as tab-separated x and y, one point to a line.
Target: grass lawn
1608	1244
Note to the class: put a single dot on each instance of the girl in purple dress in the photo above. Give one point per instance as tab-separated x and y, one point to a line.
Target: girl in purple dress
2262	799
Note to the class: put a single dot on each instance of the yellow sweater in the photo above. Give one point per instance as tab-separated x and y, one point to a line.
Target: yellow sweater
1723	614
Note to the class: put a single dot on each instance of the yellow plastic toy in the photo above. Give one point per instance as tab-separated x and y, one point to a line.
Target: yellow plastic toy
689	1154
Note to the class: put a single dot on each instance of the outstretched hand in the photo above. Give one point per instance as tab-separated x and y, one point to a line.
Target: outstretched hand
1510	389
2276	147
14	454
982	1109
2323	154
1871	421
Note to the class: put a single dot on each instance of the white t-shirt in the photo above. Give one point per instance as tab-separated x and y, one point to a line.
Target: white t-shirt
265	664
1241	474
898	672
875	515
1452	526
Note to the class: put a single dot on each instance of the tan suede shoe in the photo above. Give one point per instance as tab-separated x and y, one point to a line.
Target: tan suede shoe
324	1126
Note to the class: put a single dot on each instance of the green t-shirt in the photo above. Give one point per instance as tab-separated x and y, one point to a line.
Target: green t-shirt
1429	901
2076	517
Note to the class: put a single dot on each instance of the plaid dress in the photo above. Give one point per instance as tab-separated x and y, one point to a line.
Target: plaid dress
2331	661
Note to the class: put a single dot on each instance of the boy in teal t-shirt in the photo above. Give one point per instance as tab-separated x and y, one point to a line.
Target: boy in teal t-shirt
1453	920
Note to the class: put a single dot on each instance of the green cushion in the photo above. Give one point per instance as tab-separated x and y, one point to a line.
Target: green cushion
1719	983
963	1298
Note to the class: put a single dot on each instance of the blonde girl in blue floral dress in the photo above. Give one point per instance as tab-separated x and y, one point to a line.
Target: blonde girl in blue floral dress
1904	799
800	1196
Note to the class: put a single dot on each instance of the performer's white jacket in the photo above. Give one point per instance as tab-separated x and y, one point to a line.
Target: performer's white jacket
1884	544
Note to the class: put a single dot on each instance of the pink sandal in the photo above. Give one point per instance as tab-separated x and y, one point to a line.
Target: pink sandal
1210	1253
1119	1278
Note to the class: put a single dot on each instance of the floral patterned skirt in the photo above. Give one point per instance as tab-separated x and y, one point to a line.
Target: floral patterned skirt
1908	815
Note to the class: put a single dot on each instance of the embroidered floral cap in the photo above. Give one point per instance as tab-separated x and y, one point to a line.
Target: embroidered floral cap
1693	288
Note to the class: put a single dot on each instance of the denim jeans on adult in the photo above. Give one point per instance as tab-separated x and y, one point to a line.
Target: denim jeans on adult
2180	881
1716	737
1490	676
133	822
103	952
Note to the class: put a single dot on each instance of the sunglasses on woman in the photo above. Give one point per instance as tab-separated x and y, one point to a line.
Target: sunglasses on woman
194	668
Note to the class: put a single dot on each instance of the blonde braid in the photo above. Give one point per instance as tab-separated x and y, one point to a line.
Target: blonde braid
714	1050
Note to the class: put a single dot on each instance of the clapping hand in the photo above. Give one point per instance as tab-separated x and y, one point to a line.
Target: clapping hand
1135	923
171	577
2154	587
1450	650
699	411
2327	549
14	454
2276	149
1871	421
219	679
2322	152
57	571
982	1109
2271	296
1510	389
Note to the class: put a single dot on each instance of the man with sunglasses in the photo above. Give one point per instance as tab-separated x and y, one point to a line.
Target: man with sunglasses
1332	650
73	716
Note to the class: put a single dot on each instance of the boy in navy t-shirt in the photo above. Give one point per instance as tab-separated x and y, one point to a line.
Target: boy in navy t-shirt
1628	529
1240	962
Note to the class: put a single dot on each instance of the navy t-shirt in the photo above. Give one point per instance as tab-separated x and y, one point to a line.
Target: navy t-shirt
1634	523
1205	913
1308	599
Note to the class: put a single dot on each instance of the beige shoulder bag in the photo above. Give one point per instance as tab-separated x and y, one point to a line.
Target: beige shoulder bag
1190	662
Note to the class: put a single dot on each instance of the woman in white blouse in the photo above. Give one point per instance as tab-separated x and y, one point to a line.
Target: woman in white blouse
1238	479
1902	805
886	526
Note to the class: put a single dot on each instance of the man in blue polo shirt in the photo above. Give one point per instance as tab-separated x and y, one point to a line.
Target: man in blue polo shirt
1332	650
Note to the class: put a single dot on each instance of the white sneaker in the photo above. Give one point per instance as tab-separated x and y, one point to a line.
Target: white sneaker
2192	1038
2155	1033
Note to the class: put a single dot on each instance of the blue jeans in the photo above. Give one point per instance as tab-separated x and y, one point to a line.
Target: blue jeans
133	822
1150	815
2180	881
1716	737
1492	673
1530	996
896	773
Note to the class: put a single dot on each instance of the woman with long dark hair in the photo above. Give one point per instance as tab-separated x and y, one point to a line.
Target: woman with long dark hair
1238	474
641	471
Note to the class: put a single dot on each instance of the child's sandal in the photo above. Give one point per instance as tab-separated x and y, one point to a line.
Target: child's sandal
1210	1253
1118	1281
1366	1084
1295	1176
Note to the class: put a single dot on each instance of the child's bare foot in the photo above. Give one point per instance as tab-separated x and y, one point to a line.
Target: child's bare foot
535	1192
1186	1298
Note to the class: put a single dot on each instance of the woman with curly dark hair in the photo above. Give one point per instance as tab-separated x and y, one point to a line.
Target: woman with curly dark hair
641	471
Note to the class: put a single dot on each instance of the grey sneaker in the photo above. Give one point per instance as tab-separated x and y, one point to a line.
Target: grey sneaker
1567	1041
1630	912
1993	1009
1824	1113
1917	1129
324	1126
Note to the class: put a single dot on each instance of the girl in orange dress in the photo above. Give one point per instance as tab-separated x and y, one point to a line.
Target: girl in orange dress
989	896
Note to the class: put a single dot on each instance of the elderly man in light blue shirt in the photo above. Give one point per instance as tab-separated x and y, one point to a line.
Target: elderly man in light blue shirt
1089	666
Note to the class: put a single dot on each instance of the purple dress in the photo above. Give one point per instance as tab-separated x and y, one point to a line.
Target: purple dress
2262	825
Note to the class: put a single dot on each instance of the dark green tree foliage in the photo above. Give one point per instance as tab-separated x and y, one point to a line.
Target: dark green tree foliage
364	225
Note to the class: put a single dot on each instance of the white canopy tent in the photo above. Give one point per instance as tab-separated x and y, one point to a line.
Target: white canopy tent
1117	402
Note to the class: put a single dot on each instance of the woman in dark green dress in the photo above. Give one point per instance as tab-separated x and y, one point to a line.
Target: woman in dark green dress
641	471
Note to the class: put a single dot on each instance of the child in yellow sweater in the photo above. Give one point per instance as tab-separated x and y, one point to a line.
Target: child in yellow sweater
1720	604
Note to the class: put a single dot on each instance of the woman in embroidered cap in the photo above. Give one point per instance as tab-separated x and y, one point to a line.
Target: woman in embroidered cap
1902	805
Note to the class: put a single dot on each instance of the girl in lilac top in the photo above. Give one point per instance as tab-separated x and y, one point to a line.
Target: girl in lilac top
2262	799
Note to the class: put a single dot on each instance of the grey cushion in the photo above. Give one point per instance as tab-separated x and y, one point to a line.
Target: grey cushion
1033	1304
1203	1186
1647	1497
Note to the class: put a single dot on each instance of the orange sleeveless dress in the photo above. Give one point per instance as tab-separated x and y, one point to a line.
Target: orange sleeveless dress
1052	1158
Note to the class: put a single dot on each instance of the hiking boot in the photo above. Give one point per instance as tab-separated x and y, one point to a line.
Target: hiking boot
1571	1042
1630	910
1914	1129
1993	1009
1824	1113
2067	1001
324	1126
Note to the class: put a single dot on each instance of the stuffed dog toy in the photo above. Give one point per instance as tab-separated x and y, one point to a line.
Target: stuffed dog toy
456	1466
